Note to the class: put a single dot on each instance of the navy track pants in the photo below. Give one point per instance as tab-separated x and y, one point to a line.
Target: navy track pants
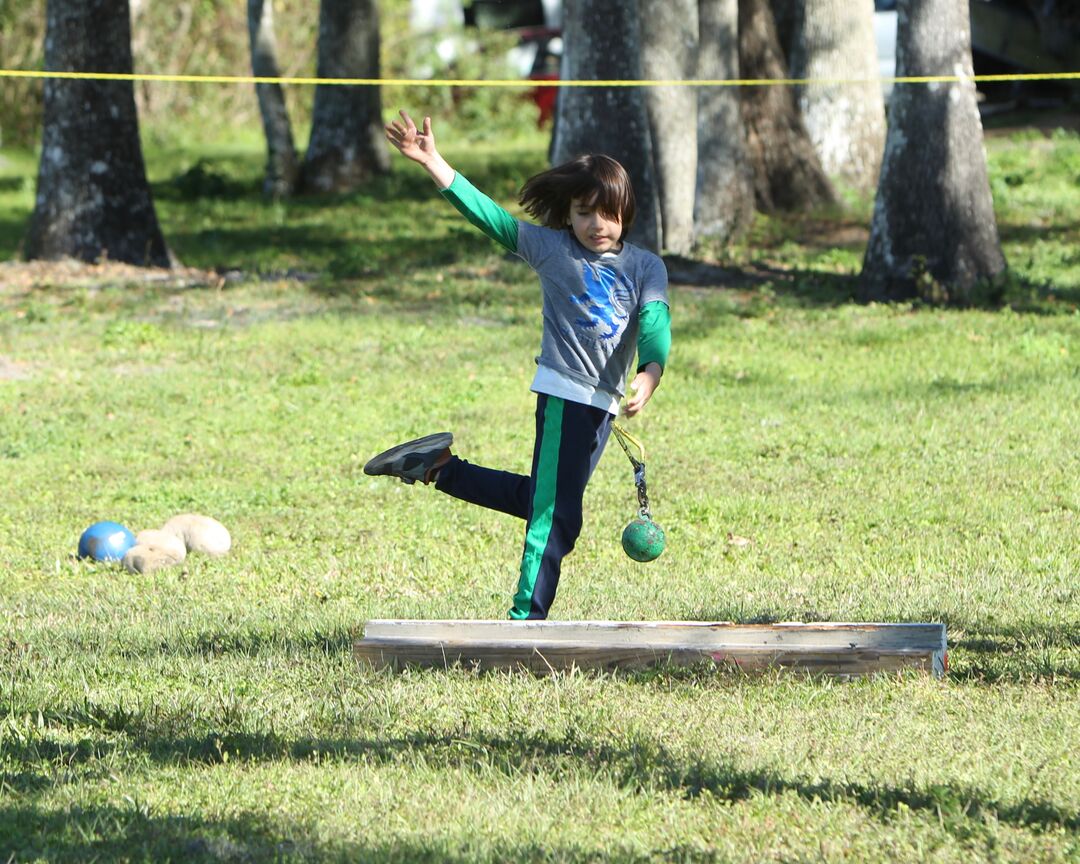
570	439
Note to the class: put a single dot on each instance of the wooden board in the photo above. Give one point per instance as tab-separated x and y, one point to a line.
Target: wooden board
547	646
689	633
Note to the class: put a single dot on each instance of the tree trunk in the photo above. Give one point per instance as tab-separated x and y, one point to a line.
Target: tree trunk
610	120
787	172
93	200
282	166
834	39
933	232
669	52
347	145
725	191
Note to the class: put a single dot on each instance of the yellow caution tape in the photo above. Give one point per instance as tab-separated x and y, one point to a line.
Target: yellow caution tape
527	83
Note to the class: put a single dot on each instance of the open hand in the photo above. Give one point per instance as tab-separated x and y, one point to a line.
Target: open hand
410	141
641	389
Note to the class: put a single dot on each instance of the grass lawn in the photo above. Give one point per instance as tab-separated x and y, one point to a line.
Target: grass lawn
810	459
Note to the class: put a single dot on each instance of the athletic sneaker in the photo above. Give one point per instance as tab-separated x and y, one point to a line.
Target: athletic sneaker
413	460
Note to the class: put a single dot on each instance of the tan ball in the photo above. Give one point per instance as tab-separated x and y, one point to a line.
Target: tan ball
200	533
164	540
147	559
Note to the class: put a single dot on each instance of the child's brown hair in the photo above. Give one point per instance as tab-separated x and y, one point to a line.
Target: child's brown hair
598	180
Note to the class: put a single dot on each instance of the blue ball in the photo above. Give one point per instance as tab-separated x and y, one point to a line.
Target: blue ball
105	541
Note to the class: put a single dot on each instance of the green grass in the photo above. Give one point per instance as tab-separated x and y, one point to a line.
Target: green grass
886	463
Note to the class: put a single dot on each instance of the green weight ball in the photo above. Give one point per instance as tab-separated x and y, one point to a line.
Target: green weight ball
643	540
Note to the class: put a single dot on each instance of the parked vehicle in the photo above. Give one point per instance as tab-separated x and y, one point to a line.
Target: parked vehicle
1025	36
1007	36
885	40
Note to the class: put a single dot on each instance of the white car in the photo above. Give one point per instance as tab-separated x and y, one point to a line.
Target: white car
885	39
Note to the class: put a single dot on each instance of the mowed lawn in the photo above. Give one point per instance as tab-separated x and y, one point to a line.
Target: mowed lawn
810	459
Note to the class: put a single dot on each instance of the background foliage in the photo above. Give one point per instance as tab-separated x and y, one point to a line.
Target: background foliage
209	37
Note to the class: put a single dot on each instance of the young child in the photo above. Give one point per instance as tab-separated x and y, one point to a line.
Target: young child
602	298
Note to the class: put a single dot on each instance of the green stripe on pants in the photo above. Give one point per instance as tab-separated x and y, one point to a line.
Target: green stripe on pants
543	507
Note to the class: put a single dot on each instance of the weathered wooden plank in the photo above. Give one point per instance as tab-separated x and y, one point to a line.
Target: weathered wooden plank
825	635
548	656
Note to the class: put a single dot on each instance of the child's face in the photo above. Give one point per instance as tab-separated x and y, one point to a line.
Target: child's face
593	229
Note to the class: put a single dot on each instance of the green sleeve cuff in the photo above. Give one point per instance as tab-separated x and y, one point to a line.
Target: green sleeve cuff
654	334
482	212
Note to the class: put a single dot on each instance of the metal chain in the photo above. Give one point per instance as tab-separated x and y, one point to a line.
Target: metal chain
622	436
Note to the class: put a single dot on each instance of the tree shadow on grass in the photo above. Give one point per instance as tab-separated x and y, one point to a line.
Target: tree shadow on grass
760	286
346	265
1037	298
1032	651
12	232
646	763
989	652
104	832
23	783
497	172
757	289
643	763
231	246
1042	297
1025	233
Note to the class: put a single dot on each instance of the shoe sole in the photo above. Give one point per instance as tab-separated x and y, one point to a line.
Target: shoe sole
379	465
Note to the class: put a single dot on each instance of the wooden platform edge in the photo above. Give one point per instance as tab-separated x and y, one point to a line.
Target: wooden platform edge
546	657
670	633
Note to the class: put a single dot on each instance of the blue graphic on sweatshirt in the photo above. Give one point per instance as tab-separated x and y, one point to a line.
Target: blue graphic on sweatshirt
606	295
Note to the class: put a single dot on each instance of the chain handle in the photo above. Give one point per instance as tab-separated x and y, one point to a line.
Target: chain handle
622	436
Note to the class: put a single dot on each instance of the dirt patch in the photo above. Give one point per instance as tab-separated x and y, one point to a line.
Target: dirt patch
1001	121
831	234
11	370
26	276
703	274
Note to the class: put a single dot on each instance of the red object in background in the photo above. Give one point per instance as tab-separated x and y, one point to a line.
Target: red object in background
544	97
545	66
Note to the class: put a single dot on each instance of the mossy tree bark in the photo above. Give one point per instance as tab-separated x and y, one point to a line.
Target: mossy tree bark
724	201
933	232
787	172
834	41
669	37
600	45
93	200
282	164
347	144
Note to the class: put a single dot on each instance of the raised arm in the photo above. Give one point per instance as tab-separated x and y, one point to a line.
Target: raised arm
473	204
420	147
